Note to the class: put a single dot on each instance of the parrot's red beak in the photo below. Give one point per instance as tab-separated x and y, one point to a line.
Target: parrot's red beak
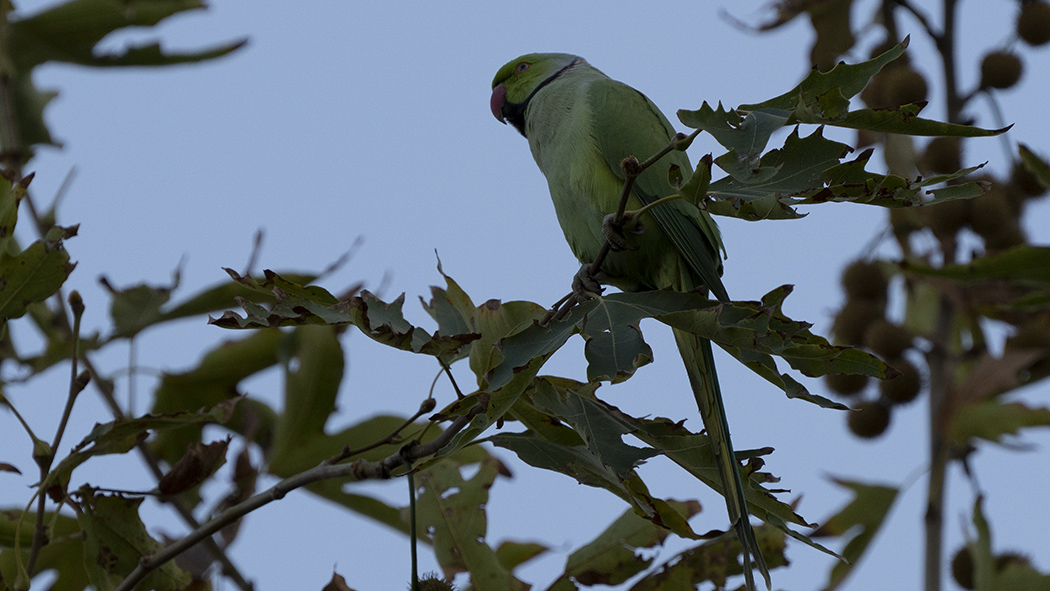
499	98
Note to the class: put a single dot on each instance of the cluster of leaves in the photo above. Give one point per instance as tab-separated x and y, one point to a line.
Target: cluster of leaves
812	169
70	33
105	538
552	423
567	427
963	264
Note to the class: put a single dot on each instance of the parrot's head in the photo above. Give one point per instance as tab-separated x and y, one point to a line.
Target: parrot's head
520	78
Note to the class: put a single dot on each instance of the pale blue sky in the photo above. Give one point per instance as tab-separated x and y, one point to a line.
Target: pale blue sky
343	119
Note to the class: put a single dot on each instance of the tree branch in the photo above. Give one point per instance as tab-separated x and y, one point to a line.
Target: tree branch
359	469
631	170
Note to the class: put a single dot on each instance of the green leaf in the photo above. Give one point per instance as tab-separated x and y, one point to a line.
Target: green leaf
613	557
140	306
313	369
903	120
135	308
992	419
983	560
846	79
63	555
692	452
122	435
796	168
586	468
499	324
11	195
32	275
452	511
834	33
151	55
295	304
1024	265
513	554
715	561
575	404
850	182
450	307
22	118
695	189
219	296
500	393
823	98
746	134
556	447
751	331
69	32
116	539
860	519
1035	165
214	381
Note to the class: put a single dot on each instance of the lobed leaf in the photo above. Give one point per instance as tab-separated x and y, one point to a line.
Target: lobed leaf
1026	265
743	133
992	419
70	32
614	555
753	332
32	275
713	561
846	79
452	510
115	539
214	381
1035	165
295	304
861	520
63	555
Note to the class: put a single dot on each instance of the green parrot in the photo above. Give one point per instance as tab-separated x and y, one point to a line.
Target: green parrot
580	125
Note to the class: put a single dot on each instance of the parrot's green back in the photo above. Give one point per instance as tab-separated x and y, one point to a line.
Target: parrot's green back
580	125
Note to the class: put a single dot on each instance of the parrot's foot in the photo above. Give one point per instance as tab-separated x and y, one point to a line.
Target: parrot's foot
586	284
615	232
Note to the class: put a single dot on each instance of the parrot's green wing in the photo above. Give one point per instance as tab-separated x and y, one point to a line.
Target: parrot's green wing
627	123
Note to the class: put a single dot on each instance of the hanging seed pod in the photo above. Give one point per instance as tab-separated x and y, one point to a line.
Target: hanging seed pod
869	419
1000	69
903	388
1033	23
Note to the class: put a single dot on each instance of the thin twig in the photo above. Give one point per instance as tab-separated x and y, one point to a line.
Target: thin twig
921	17
360	470
451	379
424	407
77	383
229	569
631	170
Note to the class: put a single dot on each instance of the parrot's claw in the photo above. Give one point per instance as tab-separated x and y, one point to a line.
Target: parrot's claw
614	232
586	285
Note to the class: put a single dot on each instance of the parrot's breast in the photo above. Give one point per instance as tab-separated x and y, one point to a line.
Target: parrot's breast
560	127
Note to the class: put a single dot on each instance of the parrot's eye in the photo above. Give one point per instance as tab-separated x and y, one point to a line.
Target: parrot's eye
522	66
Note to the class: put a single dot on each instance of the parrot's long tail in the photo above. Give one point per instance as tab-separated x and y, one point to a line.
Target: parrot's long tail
700	364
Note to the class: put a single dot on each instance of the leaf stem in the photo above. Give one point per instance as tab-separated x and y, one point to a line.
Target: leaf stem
77	383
